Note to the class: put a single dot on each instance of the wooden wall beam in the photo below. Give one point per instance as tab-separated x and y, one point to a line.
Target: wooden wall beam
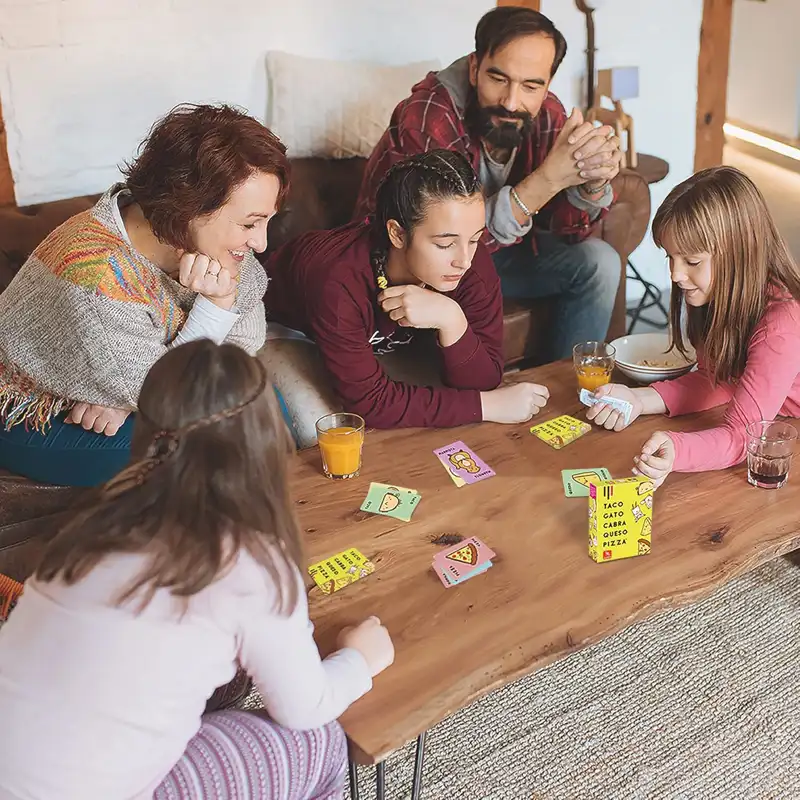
712	82
6	180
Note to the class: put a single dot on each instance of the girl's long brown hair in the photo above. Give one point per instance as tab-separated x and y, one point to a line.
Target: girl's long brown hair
208	477
720	211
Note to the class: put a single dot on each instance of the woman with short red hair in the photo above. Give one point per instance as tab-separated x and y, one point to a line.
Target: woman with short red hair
163	258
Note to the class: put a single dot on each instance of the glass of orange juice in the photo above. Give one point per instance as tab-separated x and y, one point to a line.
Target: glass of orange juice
340	437
594	363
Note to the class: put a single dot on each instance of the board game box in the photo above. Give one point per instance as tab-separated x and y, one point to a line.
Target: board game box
620	518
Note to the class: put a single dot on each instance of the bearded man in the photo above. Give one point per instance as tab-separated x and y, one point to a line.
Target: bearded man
546	176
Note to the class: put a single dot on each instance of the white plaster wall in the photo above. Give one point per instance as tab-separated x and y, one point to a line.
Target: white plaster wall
83	80
764	78
662	38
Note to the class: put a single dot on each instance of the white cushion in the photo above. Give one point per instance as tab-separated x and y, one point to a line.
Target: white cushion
335	109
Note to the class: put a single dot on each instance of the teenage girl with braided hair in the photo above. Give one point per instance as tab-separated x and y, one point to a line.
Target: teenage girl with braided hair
365	289
177	571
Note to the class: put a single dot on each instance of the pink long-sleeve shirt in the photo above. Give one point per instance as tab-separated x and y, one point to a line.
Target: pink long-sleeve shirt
97	702
769	387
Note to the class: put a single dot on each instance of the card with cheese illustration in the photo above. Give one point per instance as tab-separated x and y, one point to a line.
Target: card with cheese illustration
391	501
561	431
577	481
340	570
620	518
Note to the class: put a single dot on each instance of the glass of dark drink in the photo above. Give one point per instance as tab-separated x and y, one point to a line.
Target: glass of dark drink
769	453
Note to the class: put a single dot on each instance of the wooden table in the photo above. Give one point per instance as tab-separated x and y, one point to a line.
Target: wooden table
544	597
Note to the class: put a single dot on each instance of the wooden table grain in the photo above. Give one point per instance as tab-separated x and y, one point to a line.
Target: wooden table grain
544	597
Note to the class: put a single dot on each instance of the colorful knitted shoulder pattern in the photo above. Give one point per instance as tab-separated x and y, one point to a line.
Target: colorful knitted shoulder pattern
86	253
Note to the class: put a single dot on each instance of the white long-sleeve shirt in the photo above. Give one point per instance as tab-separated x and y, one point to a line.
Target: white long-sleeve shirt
97	702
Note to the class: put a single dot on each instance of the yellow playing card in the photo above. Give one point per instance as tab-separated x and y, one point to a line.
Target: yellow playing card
561	431
341	570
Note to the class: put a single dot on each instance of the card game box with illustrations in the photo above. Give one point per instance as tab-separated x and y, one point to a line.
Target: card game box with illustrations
620	518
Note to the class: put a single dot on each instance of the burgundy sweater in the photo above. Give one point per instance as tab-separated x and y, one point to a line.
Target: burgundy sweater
322	284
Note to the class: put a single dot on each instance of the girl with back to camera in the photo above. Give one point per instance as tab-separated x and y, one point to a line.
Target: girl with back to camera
179	569
366	289
739	288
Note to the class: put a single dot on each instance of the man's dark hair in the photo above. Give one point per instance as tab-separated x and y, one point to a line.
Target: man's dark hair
502	25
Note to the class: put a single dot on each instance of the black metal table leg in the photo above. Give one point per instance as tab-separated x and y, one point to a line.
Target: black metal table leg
650	299
380	774
417	786
353	769
380	780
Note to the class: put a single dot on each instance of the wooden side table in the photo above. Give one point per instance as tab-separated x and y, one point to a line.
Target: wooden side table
653	170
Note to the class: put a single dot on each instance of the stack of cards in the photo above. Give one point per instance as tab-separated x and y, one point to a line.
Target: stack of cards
462	561
391	501
623	406
341	570
462	464
561	431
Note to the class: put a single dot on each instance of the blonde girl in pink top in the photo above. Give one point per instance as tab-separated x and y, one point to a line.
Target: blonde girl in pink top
177	572
736	291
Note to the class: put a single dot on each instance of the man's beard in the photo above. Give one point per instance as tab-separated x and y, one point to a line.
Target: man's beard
503	135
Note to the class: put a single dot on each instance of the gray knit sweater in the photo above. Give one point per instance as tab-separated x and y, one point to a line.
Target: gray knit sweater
87	316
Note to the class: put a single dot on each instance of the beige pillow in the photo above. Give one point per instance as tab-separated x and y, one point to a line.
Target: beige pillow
335	109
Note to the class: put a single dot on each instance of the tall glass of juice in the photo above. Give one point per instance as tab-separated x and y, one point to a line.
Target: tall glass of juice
594	363
340	437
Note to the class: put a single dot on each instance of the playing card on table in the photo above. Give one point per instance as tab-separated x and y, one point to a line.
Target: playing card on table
561	431
462	464
623	406
464	559
391	501
448	580
341	570
576	481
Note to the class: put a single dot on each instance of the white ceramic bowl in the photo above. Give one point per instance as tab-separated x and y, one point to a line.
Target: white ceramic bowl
637	348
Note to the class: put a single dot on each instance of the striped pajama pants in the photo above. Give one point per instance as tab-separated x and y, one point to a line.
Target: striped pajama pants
243	755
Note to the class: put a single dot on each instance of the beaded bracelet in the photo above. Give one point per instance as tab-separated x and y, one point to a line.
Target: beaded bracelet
518	200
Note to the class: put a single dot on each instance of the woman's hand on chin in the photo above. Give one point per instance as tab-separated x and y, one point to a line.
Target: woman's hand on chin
207	277
99	419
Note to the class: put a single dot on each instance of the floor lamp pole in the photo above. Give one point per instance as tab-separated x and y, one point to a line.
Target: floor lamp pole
590	52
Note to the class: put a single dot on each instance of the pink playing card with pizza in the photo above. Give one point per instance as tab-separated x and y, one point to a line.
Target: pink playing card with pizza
463	558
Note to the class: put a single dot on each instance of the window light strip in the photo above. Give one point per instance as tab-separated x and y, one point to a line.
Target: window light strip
761	141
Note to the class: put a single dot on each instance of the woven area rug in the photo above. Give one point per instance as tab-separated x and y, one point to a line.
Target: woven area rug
700	703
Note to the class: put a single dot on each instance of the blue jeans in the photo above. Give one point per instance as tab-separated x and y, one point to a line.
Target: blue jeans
581	278
68	455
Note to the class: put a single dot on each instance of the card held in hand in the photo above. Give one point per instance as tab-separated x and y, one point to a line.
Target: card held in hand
623	406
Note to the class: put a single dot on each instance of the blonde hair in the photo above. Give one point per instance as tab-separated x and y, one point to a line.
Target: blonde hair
721	212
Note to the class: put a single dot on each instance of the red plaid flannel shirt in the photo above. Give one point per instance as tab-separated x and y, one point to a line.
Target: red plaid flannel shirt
429	119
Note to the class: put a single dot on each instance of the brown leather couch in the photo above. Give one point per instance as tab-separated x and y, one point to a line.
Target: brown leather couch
323	194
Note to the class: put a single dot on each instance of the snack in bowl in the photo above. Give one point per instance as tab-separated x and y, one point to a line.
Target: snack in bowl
660	363
646	358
